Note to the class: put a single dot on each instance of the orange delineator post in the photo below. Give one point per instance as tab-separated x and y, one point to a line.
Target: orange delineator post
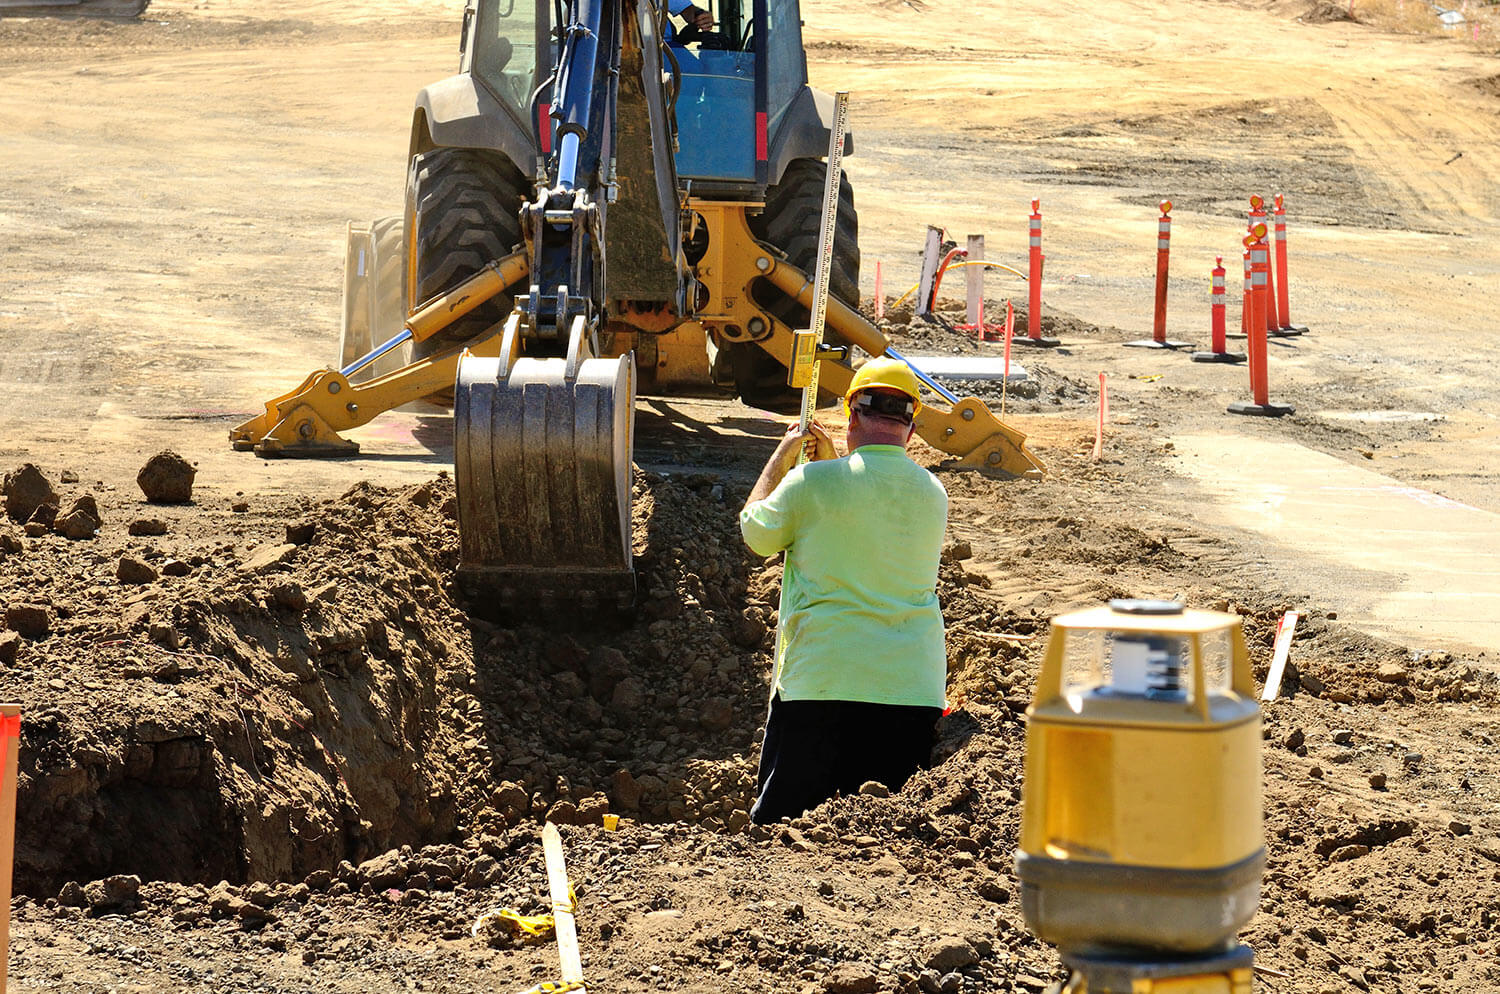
1158	339
1034	280
1218	351
1260	266
1284	324
1245	297
1258	215
10	743
1034	283
1163	255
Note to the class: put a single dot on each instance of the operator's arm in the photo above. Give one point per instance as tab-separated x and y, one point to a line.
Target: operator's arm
768	519
690	13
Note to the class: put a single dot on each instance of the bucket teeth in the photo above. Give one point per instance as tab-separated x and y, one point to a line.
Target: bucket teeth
542	463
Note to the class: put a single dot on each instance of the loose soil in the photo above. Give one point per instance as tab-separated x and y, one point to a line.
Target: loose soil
269	746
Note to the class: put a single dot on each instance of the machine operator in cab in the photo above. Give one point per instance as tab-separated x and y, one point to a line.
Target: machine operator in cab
861	668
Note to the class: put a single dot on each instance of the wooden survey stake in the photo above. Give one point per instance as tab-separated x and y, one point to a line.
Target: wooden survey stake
562	906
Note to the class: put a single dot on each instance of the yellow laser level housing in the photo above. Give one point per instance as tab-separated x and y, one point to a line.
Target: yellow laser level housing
1141	825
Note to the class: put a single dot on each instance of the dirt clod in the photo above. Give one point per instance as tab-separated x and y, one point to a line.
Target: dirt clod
167	478
31	620
81	520
133	570
26	488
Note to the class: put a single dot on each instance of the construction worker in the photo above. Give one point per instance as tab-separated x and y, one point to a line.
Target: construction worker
861	668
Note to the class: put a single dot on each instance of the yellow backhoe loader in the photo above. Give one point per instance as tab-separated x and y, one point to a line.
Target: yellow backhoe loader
606	199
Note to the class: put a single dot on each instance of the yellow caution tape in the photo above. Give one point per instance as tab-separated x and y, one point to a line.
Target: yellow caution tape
532	925
1152	378
555	987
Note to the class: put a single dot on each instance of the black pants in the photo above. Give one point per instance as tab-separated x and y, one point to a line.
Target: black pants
815	749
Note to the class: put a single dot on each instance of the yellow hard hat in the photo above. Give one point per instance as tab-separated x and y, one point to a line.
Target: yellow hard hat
891	374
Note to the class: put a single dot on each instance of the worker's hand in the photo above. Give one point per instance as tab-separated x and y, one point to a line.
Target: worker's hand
815	442
698	17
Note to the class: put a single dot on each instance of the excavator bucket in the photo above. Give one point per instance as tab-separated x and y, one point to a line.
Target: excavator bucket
542	451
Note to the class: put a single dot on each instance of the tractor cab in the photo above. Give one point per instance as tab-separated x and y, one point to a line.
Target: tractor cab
731	86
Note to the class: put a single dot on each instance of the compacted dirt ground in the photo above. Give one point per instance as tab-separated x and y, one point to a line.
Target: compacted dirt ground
269	746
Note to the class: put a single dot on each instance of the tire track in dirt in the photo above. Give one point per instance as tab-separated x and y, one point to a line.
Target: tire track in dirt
1388	139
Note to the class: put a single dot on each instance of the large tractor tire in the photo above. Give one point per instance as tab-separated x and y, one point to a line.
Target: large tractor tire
374	308
790	222
461	207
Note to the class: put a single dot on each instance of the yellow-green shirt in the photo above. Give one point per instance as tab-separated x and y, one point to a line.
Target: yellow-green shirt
859	612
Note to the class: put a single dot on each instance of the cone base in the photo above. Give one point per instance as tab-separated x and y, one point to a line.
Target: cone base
1043	343
1289	331
1218	357
1261	410
1151	343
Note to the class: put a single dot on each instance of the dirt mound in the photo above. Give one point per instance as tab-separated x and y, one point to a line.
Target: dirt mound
167	478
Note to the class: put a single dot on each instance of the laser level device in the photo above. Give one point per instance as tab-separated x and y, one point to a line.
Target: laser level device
1141	831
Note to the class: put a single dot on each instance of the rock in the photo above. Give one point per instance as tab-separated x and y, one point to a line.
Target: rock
956	552
300	532
928	980
1294	739
511	800
749	629
1377	781
950	983
289	595
384	872
1343	736
850	978
133	570
76	525
625	791
1391	673
994	890
175	567
591	810
1311	684
319	880
260	894
26	489
563	813
9	543
113	892
716	714
167	478
43	517
31	620
240	506
72	896
948	954
1344	853
10	644
165	636
147	526
628	697
34	529
1460	827
874	788
268	556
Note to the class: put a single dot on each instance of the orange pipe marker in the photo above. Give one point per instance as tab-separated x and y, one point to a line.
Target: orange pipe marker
1158	339
1284	324
1218	351
1256	342
1034	284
